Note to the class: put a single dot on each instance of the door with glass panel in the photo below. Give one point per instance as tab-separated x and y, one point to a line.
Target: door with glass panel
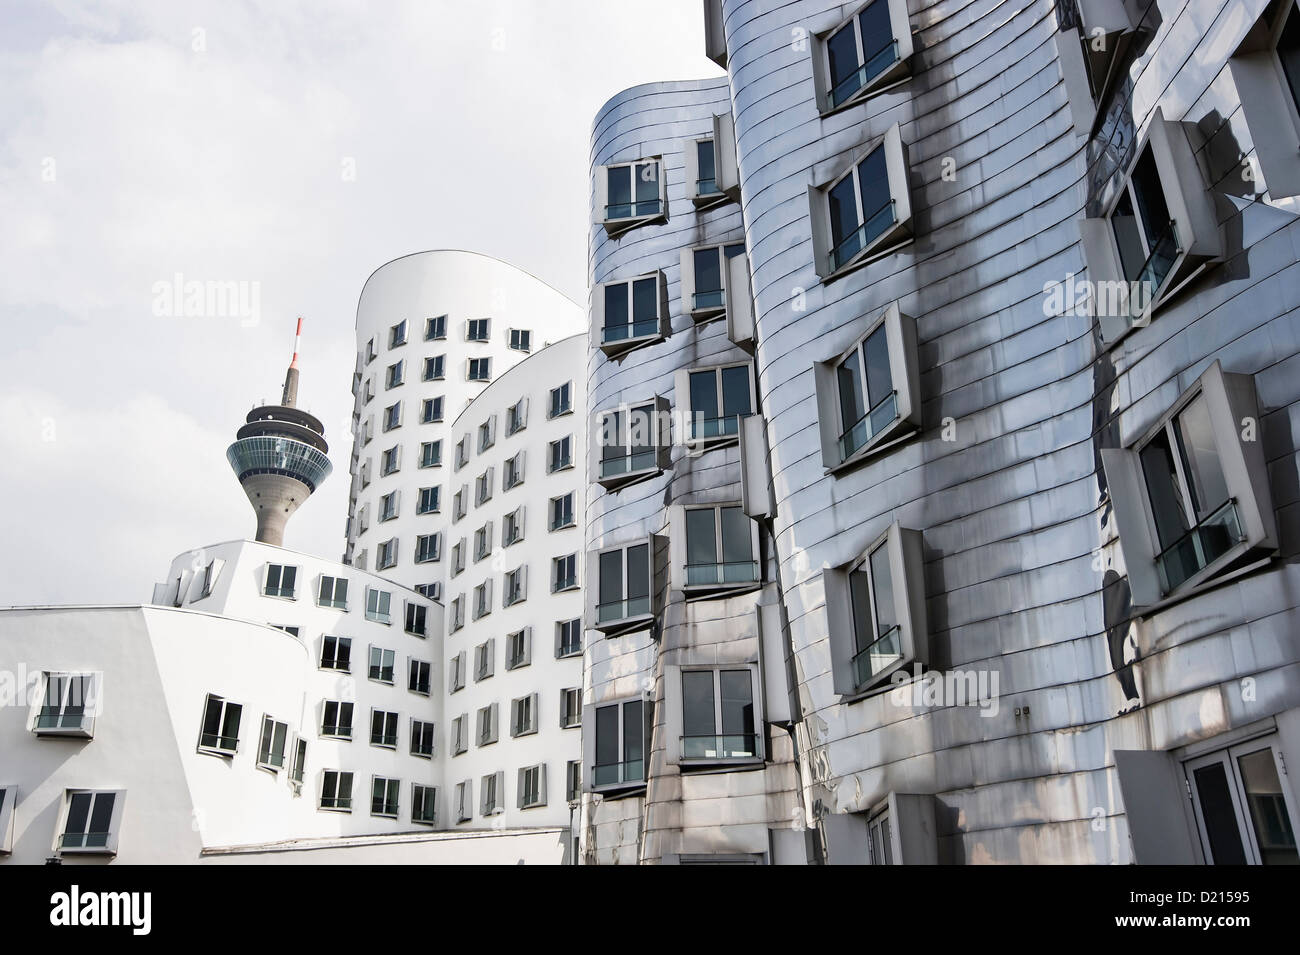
1244	811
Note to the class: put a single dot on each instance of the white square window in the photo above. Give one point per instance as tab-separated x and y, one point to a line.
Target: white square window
876	615
386	554
564	573
431	410
383	729
519	648
424	804
864	211
868	396
571	707
91	821
479	369
523	715
391	460
418	675
487	434
477	329
456	672
435	368
562	512
427	548
532	787
485	659
219	733
712	176
514	587
483	488
388	506
383	796
1191	498
430	500
67	704
512	527
431	454
395	375
281	580
490	794
513	475
521	339
336	719
720	720
336	654
382	663
435	328
630	313
483	541
568	638
559	454
561	400
459	743
615	742
336	791
631	194
862	55
397	334
457	613
517	416
483	599
486	725
378	603
271	746
333	592
417	616
422	737
719	550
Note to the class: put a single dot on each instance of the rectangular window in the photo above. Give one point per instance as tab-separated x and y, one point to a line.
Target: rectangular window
514	590
462	452
719	398
280	580
430	454
424	804
564	573
483	488
386	554
486	724
861	207
383	729
633	193
463	800
568	638
571	707
629	444
377	605
68	704
430	501
721	547
458	741
458	557
517	416
490	794
336	654
483	599
431	591
862	54
336	790
561	454
484	659
435	368
561	400
562	511
220	733
271	747
718	715
456	672
476	330
370	351
523	715
619	745
431	410
435	328
427	548
457	612
298	766
521	339
630	312
388	506
573	780
418	677
458	505
487	434
336	719
512	527
422	736
395	375
483	541
383	796
480	369
513	475
333	592
390	460
519	648
381	664
397	334
532	787
90	823
1241	809
704	291
623	586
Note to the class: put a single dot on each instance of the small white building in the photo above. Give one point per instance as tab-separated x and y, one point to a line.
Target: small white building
271	707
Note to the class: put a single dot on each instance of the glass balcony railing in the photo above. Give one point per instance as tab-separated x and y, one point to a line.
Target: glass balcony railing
84	840
383	739
614	774
615	610
226	744
729	746
707	187
880	653
869	425
727	572
612	334
709	298
50	718
868	232
336	802
1201	546
628	464
876	64
705	428
633	210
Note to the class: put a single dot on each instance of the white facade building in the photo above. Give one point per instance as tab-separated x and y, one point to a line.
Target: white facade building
274	703
433	330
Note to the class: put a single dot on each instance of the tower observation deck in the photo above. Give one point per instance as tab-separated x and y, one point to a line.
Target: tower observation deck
280	457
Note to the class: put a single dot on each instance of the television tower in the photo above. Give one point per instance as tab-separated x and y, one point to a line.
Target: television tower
280	456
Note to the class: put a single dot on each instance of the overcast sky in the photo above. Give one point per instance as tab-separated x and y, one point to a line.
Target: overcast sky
298	146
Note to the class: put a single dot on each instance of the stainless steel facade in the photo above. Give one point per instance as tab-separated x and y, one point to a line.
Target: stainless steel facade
1099	708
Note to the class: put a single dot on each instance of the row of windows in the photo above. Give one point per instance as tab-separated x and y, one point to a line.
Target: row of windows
530	791
564	577
435	329
518	652
336	787
281	580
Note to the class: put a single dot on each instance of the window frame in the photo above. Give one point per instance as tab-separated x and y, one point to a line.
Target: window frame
625	623
560	653
387	663
280	588
616	348
564	390
538	784
689	290
617	225
389	718
520	706
333	600
624	782
424	804
393	788
572	521
340	643
522	641
721	588
658	454
684	395
339	802
266	753
339	725
435	328
485	368
891	74
759	747
111	837
91	683
417	733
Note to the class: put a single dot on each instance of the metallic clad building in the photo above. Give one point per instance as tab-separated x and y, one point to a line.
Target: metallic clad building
1024	281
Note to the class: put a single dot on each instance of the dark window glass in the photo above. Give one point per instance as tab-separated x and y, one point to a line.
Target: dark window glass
697	703
880	383
1288	51
1219	816
737	704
